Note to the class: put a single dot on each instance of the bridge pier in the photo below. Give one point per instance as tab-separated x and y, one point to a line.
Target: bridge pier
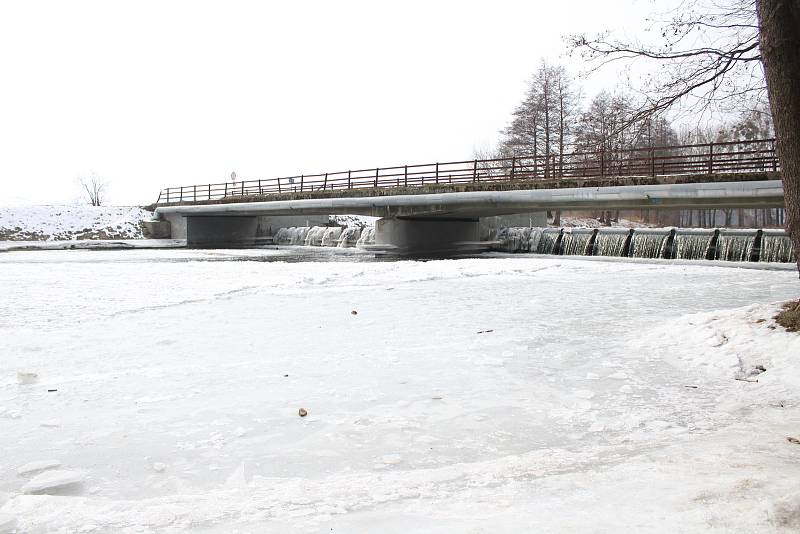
223	231
428	236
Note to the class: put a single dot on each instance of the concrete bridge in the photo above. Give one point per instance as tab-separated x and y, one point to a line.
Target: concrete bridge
437	207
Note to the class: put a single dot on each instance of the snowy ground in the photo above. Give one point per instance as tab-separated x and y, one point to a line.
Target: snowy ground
590	222
68	222
481	395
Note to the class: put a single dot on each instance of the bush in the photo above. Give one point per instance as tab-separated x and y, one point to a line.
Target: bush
789	317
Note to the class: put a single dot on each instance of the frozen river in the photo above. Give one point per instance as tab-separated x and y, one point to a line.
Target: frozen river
161	389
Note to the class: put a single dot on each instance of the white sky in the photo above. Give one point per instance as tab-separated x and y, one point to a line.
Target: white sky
149	94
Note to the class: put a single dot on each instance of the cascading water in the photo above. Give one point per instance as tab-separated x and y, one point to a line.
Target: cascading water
777	248
648	245
608	244
733	247
547	241
691	246
574	243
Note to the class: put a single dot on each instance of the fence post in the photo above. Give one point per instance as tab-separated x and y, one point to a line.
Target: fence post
181	200
325	183
301	182
376	176
405	176
437	172
475	171
209	191
226	190
710	158
513	166
349	183
242	187
279	186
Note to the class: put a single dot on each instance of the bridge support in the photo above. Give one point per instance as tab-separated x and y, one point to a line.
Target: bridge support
428	237
206	231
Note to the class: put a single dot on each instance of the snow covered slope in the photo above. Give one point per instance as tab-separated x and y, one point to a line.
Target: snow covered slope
67	222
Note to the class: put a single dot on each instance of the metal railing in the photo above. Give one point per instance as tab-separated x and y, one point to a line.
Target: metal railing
699	159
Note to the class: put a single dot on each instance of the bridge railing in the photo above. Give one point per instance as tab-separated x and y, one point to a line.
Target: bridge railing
707	158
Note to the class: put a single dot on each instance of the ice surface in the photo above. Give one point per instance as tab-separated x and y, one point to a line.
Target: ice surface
37	466
494	394
54	482
8	524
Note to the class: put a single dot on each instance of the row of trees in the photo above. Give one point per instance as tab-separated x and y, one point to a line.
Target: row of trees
553	121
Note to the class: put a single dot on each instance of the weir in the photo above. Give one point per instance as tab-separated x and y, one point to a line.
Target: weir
652	243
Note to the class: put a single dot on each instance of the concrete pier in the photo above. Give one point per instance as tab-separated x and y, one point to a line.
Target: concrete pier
426	237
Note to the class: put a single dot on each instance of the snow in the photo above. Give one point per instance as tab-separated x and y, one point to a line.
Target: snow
67	222
591	222
496	394
54	482
100	244
36	467
360	221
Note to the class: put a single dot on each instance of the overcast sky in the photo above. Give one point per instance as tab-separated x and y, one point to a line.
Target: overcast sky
149	94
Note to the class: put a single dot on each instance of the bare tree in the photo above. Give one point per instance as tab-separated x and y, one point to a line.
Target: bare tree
542	124
779	25
93	190
722	56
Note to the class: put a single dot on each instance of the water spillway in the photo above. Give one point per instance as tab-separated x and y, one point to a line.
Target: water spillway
776	247
652	243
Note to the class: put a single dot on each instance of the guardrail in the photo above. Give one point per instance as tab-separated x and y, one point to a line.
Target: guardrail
707	158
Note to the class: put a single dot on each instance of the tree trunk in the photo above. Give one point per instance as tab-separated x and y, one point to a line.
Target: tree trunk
779	31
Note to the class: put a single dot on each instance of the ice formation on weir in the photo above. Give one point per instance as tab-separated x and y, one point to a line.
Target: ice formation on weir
665	243
367	237
350	236
330	237
325	236
314	236
295	235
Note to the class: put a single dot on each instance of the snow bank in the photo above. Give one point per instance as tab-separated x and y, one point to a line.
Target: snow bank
69	222
590	222
744	344
54	482
353	220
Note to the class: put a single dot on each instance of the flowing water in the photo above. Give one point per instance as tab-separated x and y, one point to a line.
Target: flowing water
691	246
547	242
648	245
735	247
574	243
777	248
608	244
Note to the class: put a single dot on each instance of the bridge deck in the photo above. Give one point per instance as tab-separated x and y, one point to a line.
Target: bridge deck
702	163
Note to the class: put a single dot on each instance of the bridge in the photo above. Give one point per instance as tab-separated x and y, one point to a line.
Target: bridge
437	206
